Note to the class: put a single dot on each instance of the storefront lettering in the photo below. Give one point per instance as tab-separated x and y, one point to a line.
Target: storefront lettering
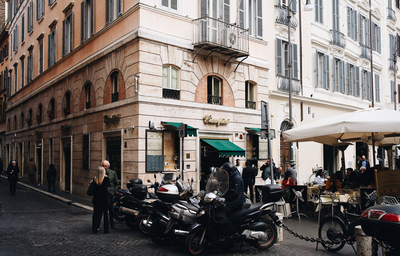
209	120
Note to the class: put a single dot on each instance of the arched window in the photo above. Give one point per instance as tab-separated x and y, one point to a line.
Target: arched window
67	108
15	122
51	112
250	95
214	90
39	115
114	86
29	120
170	82
22	120
9	125
87	92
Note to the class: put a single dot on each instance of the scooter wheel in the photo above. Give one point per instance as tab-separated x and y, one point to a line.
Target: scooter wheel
119	216
131	222
145	230
157	233
192	243
271	234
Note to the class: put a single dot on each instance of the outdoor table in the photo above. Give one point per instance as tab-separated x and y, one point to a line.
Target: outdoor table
332	199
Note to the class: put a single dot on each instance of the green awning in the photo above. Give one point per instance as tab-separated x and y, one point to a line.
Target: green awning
191	131
225	147
250	129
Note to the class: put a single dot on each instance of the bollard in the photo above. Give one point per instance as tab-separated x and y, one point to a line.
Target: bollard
366	246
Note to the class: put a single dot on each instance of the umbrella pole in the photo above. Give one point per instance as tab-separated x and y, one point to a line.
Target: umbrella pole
375	171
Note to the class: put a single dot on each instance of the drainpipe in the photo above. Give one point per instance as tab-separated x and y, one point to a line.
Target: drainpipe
301	50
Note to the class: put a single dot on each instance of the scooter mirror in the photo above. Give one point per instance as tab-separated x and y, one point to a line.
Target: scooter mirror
155	176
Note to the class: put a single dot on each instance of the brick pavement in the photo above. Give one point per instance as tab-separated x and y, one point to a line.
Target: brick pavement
35	222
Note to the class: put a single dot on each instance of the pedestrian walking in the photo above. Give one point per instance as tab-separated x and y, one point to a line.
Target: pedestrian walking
31	171
249	179
239	167
100	200
13	172
114	185
51	177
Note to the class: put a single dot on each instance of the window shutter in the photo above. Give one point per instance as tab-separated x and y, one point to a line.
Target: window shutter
367	43
71	32
279	57
391	90
9	9
23	29
64	44
357	83
165	3
241	14
120	6
37	10
316	69
354	24
108	11
326	72
335	88
49	50
54	46
373	36
348	78
378	39
259	26
293	6
92	17
226	11
397	4
41	57
360	28
83	12
342	78
349	22
294	61
112	10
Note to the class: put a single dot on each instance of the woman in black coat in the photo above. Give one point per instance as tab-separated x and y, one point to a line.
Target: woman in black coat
51	177
13	172
100	200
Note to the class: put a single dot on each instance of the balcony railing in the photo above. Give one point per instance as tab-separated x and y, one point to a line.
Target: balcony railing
171	94
221	37
281	17
337	38
211	99
114	97
250	104
391	14
283	85
365	52
88	105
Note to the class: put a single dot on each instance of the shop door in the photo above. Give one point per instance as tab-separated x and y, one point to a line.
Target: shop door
67	166
39	161
284	146
330	156
114	154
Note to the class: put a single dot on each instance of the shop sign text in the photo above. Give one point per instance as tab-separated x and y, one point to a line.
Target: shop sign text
209	120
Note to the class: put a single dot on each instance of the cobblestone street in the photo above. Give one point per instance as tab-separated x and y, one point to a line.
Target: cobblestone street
32	223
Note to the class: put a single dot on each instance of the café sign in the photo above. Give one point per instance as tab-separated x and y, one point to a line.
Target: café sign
209	120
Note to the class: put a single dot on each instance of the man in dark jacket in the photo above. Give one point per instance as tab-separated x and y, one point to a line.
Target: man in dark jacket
114	185
13	172
249	179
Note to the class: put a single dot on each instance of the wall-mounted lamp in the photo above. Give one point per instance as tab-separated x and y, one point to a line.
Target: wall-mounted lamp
137	76
308	6
130	128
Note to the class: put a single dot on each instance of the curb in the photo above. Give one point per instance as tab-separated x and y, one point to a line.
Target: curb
60	198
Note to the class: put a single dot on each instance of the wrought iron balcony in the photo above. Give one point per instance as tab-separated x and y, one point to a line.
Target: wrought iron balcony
337	38
365	52
88	105
218	36
171	94
250	104
283	85
391	14
211	99
281	17
114	97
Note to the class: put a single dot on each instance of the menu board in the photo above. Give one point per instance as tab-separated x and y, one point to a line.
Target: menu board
389	183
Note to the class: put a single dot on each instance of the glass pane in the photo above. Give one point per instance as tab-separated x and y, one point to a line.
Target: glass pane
174	79
154	153
251	92
171	150
216	91
165	80
263	149
251	147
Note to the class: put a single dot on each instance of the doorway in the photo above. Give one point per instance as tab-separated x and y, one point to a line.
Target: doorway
284	146
330	156
39	161
114	154
67	165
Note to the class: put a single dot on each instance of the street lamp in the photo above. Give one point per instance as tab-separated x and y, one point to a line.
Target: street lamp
307	7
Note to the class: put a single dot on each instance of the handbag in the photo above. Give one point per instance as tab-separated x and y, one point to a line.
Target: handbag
90	190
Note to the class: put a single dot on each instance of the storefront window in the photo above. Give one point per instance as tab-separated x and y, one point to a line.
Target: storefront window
256	148
171	150
154	151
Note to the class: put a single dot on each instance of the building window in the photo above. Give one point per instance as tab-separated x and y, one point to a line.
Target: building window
29	73
39	115
363	27
250	16
85	152
87	91
87	19
282	59
322	65
171	5
51	111
23	28
115	85
214	90
29	120
339	76
16	79
52	50
15	6
22	73
351	23
68	32
392	51
67	109
376	38
51	2
154	151
170	82
22	120
250	100
377	88
41	57
39	9
15	43
366	85
51	150
10	81
15	122
335	15
319	11
392	90
30	17
113	10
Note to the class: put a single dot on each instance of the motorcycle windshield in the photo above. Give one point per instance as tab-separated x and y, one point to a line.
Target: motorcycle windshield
218	182
162	182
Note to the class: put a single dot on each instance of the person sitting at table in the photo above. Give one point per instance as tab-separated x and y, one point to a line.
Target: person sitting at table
288	181
366	176
319	177
333	184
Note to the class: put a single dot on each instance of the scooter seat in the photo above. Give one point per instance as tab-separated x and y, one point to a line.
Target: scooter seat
254	207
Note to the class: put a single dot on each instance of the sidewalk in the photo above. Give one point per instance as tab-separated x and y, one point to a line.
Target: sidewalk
65	197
